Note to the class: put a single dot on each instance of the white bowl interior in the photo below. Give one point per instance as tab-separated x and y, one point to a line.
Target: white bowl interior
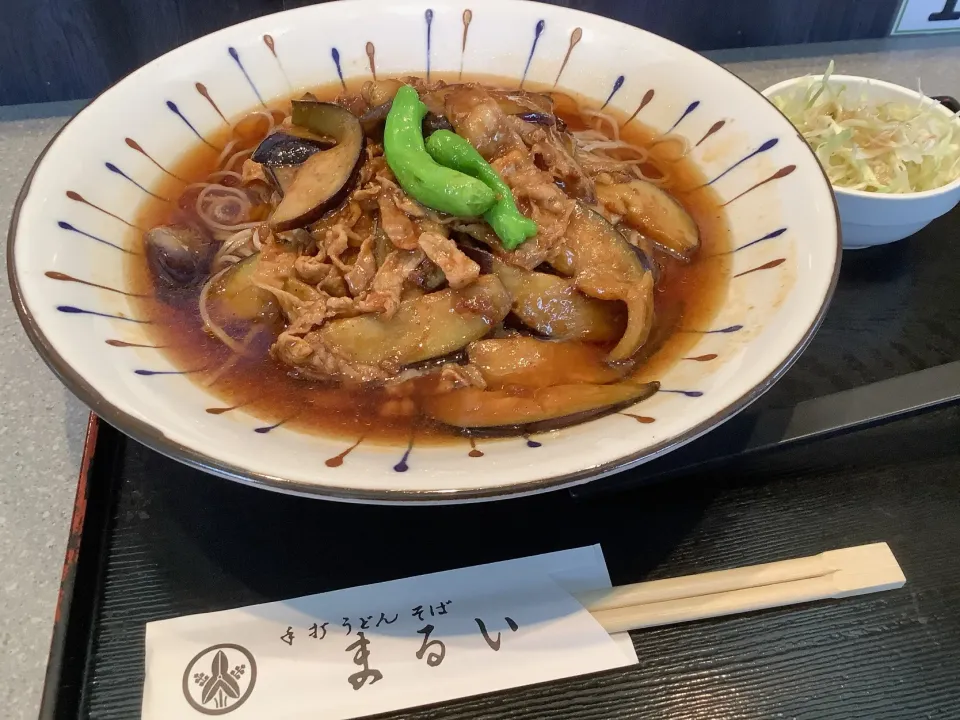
781	214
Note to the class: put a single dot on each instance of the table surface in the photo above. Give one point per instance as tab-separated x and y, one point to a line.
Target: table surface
42	424
886	656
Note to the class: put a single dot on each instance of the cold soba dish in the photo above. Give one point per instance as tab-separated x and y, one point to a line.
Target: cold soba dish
449	257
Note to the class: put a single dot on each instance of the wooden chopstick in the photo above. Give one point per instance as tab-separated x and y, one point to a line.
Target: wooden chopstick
834	574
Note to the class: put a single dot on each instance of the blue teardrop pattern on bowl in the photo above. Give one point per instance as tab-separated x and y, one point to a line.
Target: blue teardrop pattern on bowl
73	310
617	84
112	342
685	393
690	108
428	17
236	58
63	225
769	236
718	331
335	54
403	465
537	32
768	145
263	430
114	169
151	373
172	107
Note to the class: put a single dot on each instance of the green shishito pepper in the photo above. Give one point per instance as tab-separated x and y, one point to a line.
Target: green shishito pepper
506	220
434	185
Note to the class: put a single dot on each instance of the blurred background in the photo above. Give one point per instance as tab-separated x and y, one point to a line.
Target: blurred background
69	49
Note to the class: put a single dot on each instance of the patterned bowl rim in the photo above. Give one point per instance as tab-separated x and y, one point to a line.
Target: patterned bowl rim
154	438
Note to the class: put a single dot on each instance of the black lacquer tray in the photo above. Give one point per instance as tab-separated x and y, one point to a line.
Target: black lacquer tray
153	539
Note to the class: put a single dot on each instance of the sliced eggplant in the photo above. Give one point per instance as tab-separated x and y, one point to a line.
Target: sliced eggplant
607	267
535	108
282	154
515	102
325	179
297	240
301	290
644	248
428	276
282	176
423	327
652	211
235	297
382	247
562	262
458	357
668	323
538	118
283	149
178	255
527	362
373	120
537	409
433	122
552	306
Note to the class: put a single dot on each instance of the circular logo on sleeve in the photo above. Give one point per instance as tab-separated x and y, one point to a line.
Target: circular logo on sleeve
219	679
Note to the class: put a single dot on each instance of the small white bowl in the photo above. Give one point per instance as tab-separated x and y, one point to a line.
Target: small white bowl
868	218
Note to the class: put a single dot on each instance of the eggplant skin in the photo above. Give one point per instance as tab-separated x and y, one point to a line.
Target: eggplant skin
606	267
331	203
538	118
325	178
653	212
373	121
425	327
529	362
504	412
280	148
433	122
551	306
178	256
235	297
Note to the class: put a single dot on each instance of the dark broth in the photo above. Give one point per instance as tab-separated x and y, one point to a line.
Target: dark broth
687	296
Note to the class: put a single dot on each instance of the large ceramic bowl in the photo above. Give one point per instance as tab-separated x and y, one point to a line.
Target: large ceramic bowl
69	236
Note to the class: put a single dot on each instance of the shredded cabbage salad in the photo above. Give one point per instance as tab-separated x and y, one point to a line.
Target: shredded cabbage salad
893	147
